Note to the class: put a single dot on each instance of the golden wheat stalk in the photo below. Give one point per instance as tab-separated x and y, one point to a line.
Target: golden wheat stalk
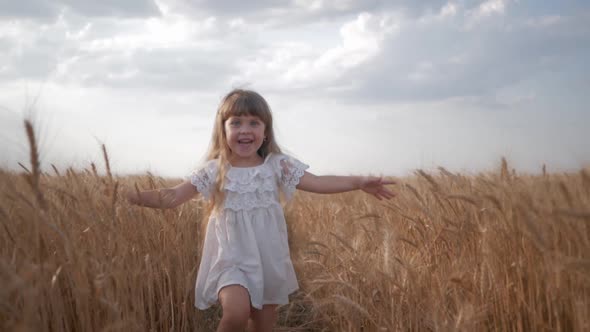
107	163
35	174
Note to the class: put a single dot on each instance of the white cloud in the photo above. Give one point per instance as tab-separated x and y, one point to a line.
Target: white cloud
490	7
485	10
155	33
163	51
237	23
360	40
448	11
318	5
47	10
298	65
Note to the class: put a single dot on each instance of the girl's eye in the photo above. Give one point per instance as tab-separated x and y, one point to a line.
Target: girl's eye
254	123
235	123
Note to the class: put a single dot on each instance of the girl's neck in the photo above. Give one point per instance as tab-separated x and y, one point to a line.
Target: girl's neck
237	161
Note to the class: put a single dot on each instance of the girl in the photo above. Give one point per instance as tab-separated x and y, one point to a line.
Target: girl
245	263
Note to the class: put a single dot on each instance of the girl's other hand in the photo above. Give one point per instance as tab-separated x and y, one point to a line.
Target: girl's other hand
376	187
129	194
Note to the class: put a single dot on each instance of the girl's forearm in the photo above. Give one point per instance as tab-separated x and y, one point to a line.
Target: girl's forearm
158	198
331	184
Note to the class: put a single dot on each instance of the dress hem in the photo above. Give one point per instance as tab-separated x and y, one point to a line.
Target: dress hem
259	307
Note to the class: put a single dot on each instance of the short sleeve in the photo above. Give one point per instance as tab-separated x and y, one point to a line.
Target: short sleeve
290	171
203	178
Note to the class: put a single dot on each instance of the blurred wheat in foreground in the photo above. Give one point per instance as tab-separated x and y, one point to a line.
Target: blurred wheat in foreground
497	251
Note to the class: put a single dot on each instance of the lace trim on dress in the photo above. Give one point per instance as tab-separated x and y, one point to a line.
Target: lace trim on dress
250	200
202	180
244	181
250	187
245	175
291	170
291	181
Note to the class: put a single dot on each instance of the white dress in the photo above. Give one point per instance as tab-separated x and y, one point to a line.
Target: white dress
246	241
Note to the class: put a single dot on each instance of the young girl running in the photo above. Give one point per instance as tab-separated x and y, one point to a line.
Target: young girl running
245	264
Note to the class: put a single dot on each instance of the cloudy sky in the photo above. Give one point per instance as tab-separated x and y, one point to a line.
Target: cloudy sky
381	87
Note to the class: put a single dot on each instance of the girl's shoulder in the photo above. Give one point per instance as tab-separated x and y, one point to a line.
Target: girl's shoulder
281	161
274	156
275	159
207	166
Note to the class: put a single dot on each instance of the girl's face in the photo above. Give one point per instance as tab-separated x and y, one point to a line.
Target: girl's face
245	135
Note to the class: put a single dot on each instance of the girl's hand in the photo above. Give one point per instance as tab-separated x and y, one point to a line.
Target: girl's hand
129	194
376	187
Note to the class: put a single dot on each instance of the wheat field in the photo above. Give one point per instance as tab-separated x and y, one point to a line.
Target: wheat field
496	251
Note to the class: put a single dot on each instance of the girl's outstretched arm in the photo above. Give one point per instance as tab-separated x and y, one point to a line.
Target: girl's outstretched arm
164	198
329	184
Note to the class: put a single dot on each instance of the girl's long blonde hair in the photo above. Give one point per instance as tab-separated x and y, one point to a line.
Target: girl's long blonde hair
238	102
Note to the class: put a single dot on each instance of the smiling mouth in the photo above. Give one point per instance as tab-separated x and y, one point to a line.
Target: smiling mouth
245	141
